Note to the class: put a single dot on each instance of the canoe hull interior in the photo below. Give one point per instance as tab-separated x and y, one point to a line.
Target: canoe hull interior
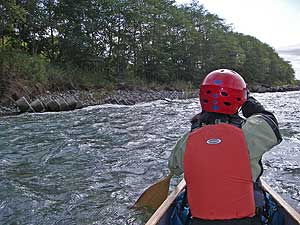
163	213
288	220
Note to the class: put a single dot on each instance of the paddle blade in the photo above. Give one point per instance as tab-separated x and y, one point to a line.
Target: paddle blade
154	195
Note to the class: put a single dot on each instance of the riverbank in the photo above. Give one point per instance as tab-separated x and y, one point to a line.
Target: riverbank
122	96
84	98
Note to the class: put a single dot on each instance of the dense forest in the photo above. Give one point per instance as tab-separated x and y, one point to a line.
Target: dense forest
66	44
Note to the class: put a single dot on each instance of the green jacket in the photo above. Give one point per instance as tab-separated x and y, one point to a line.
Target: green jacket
260	138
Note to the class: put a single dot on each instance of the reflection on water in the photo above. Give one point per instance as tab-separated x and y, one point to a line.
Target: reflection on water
89	166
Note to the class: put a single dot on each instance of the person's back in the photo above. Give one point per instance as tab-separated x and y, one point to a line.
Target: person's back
217	190
221	156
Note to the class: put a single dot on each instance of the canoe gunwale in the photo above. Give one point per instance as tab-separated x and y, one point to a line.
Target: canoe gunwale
287	207
294	216
163	208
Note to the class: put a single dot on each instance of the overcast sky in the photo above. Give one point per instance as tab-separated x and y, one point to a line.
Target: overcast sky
275	22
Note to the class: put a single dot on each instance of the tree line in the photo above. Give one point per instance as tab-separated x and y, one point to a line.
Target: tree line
130	40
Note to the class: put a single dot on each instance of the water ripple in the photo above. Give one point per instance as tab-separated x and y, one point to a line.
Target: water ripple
88	166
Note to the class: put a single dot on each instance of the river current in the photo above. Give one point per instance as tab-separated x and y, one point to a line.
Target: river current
88	166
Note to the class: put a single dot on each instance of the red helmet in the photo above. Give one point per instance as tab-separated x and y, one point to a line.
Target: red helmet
223	91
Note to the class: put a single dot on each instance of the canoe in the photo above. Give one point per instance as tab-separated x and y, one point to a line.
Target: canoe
162	214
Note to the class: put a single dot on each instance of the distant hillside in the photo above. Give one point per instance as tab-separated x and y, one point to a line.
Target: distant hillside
292	54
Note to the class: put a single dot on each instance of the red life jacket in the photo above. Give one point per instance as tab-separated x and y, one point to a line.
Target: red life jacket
218	173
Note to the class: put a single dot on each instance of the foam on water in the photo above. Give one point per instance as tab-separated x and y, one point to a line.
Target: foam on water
89	166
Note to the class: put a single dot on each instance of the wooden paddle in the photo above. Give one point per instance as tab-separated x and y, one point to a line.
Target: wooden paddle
158	215
154	195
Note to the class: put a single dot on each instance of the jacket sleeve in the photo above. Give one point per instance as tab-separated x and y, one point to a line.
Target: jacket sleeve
175	162
261	134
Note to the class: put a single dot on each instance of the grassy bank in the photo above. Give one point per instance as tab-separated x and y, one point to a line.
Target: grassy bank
30	76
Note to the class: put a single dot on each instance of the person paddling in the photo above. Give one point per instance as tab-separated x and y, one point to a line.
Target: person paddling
221	155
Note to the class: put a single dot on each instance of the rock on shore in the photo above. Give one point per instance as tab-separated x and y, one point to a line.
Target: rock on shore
75	99
132	97
265	88
70	100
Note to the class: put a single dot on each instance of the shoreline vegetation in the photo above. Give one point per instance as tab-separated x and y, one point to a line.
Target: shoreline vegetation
63	55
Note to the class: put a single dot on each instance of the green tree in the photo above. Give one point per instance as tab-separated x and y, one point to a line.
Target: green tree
10	15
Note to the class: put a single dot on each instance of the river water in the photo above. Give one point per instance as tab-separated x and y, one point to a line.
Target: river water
89	166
